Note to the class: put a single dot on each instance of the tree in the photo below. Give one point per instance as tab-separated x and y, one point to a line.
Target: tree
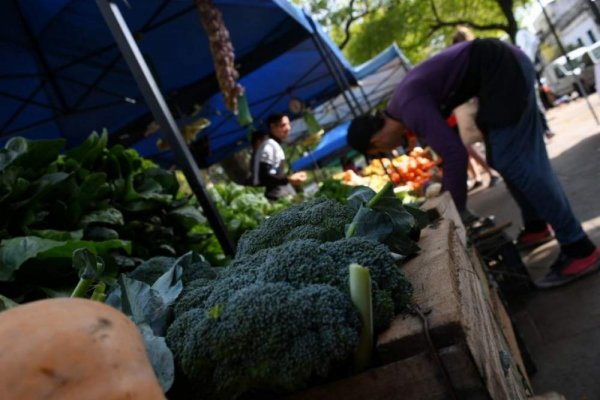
366	27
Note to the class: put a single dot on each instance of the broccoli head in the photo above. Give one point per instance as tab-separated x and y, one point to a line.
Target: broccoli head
271	337
193	265
310	261
326	217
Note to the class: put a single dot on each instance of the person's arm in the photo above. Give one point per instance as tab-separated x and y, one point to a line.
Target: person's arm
268	176
422	115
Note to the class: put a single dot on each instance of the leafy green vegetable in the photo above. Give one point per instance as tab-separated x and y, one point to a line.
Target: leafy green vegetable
17	251
90	269
360	293
6	303
381	216
150	307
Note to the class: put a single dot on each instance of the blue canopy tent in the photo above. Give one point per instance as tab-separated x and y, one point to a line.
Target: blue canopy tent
332	146
378	77
299	72
62	74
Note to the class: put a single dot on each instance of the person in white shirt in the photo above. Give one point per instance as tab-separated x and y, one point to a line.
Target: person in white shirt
269	166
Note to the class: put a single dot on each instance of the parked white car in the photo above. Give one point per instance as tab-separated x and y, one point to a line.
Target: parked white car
562	77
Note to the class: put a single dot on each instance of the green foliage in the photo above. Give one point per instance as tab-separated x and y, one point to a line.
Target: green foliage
109	201
412	24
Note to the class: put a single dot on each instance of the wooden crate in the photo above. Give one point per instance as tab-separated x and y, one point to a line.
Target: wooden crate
414	378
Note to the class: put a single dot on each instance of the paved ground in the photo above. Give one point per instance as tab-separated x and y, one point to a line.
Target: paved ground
561	327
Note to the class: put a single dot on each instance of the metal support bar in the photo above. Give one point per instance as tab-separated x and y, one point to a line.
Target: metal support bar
364	95
569	63
42	58
120	31
332	70
340	70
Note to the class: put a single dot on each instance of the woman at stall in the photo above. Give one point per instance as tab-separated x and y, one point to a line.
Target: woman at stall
502	78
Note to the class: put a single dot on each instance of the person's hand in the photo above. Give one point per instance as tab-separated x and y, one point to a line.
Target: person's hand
297	179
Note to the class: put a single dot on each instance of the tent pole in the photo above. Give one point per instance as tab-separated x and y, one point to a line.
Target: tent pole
330	67
147	84
337	65
364	94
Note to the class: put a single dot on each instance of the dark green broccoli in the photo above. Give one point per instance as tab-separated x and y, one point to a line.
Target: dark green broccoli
309	261
271	337
194	267
327	218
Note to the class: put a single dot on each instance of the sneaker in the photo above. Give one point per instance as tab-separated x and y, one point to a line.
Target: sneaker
567	269
528	240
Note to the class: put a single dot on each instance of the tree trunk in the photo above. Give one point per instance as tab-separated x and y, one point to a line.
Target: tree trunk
507	8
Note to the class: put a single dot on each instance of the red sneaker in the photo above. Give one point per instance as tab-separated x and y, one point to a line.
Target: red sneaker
567	269
527	240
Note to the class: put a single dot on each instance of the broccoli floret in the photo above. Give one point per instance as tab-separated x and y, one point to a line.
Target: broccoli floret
268	336
328	215
309	261
150	270
206	293
194	266
390	287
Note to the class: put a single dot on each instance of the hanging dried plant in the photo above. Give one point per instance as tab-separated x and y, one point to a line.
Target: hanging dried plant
222	52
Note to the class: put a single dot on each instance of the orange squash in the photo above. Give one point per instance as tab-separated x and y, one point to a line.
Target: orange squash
71	349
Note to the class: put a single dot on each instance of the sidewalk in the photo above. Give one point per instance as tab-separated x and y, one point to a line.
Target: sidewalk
561	327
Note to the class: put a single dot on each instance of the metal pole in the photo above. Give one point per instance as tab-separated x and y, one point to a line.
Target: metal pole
569	63
335	77
330	66
328	53
340	70
364	94
147	84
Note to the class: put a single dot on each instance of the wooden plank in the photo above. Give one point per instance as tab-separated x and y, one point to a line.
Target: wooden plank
417	377
506	327
447	210
449	289
435	291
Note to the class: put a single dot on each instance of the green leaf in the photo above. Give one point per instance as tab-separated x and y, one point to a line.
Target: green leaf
187	217
88	151
31	154
92	188
110	216
360	196
6	303
57	235
100	233
88	264
16	251
160	357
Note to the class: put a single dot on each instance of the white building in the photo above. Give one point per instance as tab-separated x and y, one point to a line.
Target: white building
573	20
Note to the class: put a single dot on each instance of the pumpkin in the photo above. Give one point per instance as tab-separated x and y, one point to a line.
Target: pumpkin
73	349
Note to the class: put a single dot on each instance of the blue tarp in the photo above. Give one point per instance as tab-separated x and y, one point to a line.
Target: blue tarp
61	73
299	72
332	146
376	80
392	53
378	77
